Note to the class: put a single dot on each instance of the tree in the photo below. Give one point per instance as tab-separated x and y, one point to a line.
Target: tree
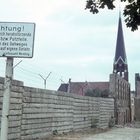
131	10
97	93
93	93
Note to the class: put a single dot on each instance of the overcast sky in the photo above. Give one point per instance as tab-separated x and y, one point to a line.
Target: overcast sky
70	42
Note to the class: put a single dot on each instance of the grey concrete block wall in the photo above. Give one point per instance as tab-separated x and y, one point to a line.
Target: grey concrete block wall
36	113
47	111
15	112
105	112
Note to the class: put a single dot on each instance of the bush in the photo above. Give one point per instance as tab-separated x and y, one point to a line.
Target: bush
111	122
97	93
55	132
94	122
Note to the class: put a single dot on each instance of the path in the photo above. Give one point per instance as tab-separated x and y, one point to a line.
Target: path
117	134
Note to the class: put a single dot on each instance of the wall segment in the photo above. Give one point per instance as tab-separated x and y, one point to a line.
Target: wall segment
36	113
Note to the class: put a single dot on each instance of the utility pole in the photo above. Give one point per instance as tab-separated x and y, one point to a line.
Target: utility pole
6	98
45	79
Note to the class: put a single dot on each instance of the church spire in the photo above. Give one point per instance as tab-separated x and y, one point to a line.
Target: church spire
120	61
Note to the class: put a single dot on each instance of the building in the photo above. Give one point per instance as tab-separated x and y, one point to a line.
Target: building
137	97
81	88
137	85
120	91
120	65
132	106
118	85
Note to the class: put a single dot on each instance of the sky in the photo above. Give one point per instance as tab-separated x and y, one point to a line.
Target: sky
70	42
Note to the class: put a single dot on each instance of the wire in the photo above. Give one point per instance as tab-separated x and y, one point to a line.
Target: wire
32	78
28	73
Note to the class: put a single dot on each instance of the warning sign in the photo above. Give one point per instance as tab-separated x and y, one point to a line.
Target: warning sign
17	39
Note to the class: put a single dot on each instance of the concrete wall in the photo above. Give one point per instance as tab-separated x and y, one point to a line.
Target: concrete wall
15	108
36	113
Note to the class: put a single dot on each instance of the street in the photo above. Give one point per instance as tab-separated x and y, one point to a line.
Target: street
117	134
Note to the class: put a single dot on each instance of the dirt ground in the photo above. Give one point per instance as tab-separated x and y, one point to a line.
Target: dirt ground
77	135
90	134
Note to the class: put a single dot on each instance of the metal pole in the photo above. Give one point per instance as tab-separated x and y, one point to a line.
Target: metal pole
45	84
6	99
45	79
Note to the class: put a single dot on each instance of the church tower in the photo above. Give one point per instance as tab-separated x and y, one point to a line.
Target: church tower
120	61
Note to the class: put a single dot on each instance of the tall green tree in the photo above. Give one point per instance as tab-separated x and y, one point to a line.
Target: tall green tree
131	10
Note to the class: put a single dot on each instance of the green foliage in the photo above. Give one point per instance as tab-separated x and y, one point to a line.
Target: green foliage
55	132
131	10
111	122
97	93
94	122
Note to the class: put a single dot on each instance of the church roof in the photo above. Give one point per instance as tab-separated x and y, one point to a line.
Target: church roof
63	87
80	88
120	54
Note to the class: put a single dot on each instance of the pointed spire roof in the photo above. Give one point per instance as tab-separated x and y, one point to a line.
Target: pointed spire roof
120	54
120	61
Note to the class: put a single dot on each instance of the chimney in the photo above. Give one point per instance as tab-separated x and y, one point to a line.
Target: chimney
69	85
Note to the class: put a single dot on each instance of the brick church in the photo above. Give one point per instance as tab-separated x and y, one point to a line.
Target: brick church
118	85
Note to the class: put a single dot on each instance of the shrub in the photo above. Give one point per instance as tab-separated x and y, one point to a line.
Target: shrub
111	122
94	122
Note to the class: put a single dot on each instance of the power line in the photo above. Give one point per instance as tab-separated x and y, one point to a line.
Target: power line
28	73
33	74
17	64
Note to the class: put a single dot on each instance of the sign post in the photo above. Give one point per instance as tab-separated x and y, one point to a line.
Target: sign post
6	99
16	40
